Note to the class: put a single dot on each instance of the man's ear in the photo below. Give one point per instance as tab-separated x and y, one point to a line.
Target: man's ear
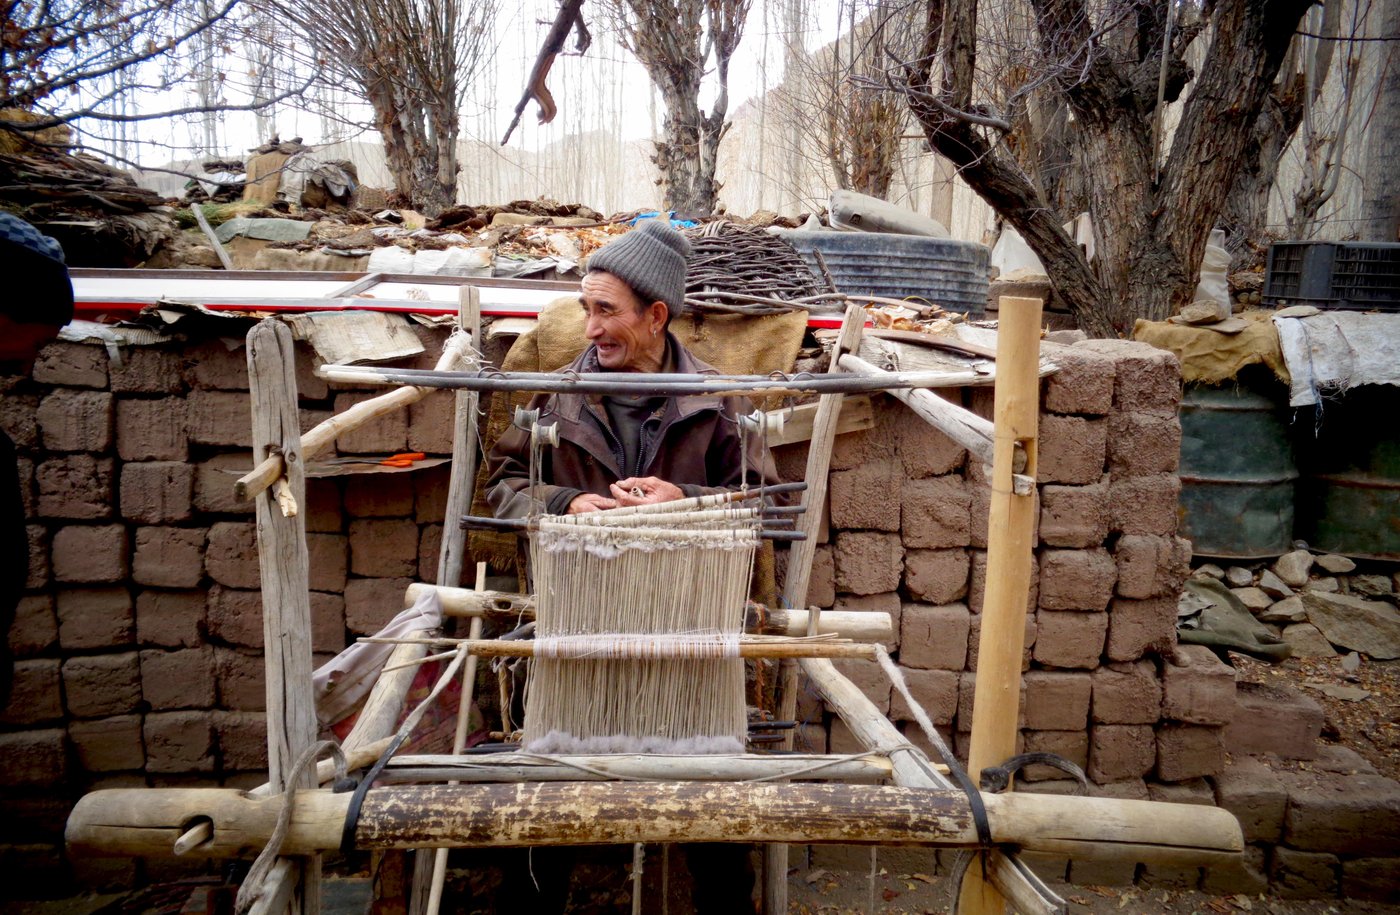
657	313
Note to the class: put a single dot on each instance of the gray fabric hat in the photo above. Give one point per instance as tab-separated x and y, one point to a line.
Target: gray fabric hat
651	260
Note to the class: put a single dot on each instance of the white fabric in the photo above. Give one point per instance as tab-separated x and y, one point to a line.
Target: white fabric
1337	350
343	682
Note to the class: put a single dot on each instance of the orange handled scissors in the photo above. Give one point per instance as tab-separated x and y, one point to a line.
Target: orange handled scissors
403	459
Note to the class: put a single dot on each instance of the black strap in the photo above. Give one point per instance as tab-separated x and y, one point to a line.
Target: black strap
352	813
997	779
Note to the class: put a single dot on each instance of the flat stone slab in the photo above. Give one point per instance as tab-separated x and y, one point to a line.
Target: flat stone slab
1370	627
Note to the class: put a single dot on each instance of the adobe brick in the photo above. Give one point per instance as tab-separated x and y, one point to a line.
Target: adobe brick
868	678
1151	565
1303	874
1074	516
76	420
170	619
1084	383
1057	700
429	550
866	497
430	493
220	418
1370	878
322	512
232	555
75	365
935	690
40	567
309	385
241	679
242	740
977	583
235	616
1200	690
96	553
1071	449
152	430
1121	751
34	759
962	745
327	622
99	686
1168	876
1144	505
935	576
157	492
308	419
76	487
385	435
791	461
17	419
1188	751
35	694
213	484
868	562
1255	795
28	497
179	742
372	602
979	506
874	603
327	558
1196	791
1137	626
34	630
821	584
384	548
1126	694
1076	579
109	744
148	370
380	495
974	641
840	740
1146	379
1143	443
91	618
1070	638
179	679
1244	873
967	700
1269	719
431	422
877	443
1128	789
215	365
923	450
169	557
934	637
1072	746
1346	814
935	512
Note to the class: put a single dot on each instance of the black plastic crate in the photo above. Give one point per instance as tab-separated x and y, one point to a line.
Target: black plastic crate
1363	276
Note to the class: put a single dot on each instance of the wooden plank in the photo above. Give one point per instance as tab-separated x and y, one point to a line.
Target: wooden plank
1010	529
283	569
464	449
857	413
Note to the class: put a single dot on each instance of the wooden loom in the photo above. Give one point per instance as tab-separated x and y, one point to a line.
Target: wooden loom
890	795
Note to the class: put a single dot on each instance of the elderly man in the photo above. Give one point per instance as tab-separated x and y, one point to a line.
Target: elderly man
619	450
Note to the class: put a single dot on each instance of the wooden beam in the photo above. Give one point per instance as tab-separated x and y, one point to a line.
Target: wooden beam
760	647
799	423
516	767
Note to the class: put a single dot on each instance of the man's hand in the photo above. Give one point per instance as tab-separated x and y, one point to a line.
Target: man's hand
645	491
588	502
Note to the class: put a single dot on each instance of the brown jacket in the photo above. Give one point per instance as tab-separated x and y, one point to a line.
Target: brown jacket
692	442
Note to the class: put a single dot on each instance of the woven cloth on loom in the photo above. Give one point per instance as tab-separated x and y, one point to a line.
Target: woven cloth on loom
733	344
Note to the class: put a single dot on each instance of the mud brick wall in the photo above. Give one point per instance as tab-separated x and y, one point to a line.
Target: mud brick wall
1104	685
138	642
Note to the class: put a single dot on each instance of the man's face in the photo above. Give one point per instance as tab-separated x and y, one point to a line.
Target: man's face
627	335
20	344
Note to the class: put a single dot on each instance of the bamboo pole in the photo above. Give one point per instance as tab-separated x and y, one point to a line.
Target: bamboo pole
271	467
143	821
799	575
284	570
1011	524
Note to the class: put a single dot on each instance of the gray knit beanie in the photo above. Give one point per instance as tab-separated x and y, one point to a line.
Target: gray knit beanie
651	260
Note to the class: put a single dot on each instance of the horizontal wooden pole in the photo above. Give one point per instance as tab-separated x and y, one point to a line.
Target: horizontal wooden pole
529	767
857	625
146	821
777	647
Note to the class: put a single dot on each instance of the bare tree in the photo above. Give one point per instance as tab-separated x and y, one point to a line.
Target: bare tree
1380	208
413	61
1113	66
676	40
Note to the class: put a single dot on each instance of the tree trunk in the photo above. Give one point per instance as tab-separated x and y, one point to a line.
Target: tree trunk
424	167
1380	209
687	153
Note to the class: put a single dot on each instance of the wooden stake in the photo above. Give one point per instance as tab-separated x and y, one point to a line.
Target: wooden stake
1009	531
283	564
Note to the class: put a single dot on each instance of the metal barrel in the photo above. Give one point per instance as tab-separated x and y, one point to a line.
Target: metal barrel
1349	494
1237	473
946	272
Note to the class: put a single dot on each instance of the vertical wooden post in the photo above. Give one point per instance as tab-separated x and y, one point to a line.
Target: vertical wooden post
799	575
282	561
1010	525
